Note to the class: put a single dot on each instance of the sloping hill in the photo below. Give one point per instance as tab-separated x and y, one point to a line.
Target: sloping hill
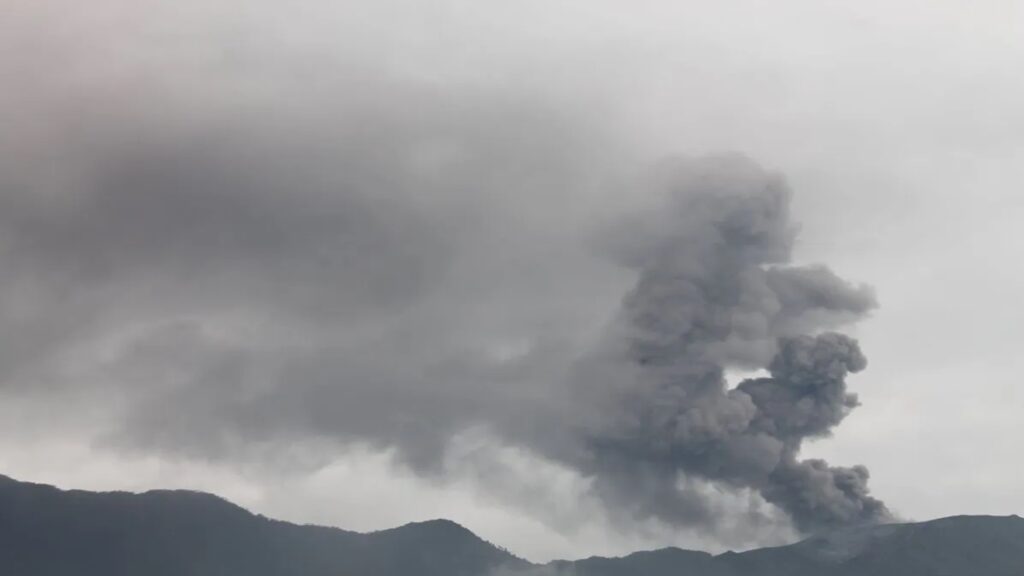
990	545
653	563
957	546
49	532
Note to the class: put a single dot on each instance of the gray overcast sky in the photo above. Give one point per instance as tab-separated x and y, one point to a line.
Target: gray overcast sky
324	258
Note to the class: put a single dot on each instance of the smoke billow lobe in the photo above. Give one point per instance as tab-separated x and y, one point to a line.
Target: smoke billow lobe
714	291
371	259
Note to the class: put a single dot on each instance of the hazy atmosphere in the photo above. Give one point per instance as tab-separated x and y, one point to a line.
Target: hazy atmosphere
586	277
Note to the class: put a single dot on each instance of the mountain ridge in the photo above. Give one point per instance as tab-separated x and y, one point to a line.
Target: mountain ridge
47	531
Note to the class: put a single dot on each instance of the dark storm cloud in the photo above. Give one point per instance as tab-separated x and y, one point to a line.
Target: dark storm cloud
370	258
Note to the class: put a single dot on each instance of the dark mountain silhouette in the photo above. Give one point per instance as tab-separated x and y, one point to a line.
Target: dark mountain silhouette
45	531
48	532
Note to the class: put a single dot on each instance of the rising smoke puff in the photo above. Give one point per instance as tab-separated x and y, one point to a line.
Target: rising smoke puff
715	291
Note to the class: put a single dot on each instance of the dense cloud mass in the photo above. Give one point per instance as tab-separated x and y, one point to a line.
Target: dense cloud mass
207	262
714	291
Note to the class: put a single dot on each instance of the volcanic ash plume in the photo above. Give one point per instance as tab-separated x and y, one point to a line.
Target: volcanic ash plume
715	291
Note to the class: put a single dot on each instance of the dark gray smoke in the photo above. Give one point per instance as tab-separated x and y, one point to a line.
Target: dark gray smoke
715	291
267	252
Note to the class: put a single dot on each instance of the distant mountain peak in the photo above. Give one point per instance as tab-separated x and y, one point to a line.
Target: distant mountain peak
45	531
435	524
842	544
